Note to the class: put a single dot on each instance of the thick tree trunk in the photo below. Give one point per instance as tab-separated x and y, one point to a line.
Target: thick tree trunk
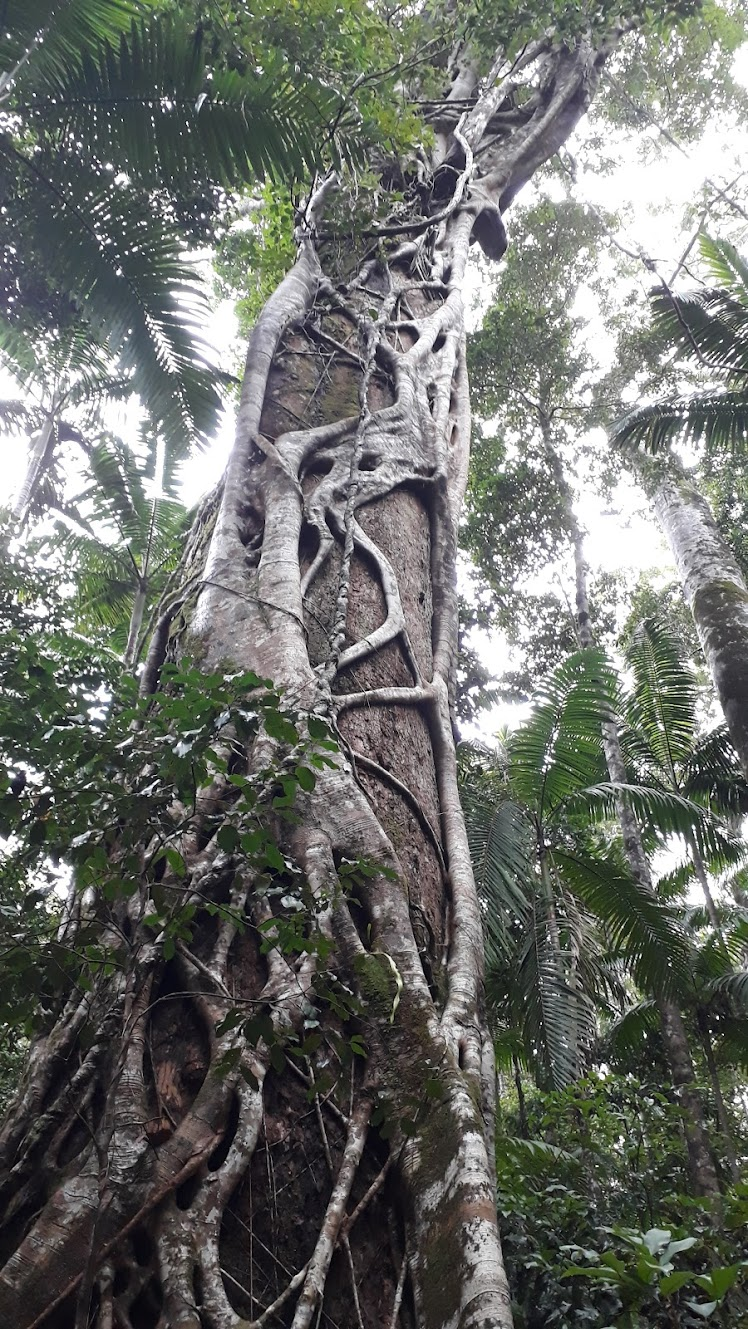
672	1028
713	585
153	1193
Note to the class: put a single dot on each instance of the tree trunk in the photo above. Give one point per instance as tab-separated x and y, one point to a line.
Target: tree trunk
40	458
723	1117
713	585
674	1036
152	1192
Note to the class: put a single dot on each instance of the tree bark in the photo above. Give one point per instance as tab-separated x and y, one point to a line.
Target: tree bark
713	585
152	1192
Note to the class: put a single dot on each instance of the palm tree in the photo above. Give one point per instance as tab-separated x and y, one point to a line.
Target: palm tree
569	924
711	328
122	538
562	912
663	742
115	126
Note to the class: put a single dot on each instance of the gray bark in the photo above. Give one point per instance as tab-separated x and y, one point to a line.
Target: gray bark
713	585
40	457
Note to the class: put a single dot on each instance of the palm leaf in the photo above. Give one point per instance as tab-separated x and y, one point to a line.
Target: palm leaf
662	706
725	265
710	327
731	1042
711	773
559	748
626	1035
717	419
660	810
41	38
152	107
733	984
500	850
558	1018
143	301
644	930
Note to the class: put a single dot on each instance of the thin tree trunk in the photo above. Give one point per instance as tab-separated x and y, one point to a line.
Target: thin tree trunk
674	1036
326	562
706	890
136	623
719	1101
713	585
39	461
524	1128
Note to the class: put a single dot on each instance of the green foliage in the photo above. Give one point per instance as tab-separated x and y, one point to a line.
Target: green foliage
597	1187
680	79
561	908
255	254
90	774
708	327
124	128
645	1273
121	541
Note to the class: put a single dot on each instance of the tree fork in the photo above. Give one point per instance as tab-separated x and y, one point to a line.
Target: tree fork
327	562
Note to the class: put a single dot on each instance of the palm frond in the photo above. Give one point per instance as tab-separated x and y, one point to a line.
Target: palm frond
558	1017
708	326
39	39
725	265
712	775
662	706
151	106
643	929
661	811
673	884
125	267
559	748
500	850
731	1042
717	419
626	1034
17	416
534	1156
733	984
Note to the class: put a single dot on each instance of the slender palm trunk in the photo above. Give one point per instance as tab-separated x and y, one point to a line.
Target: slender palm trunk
39	460
723	1117
136	623
706	890
713	585
674	1035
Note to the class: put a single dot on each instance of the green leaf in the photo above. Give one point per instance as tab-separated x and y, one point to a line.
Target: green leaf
227	838
277	1058
673	1282
719	1281
655	1238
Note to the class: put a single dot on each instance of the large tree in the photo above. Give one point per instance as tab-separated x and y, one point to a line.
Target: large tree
169	1163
